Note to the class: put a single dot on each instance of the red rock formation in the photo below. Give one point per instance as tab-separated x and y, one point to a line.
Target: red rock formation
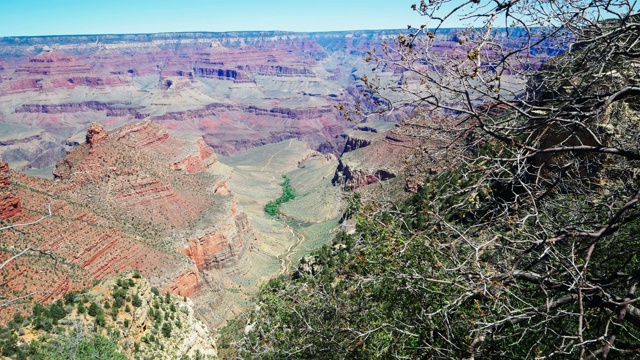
187	284
96	134
221	247
221	188
50	62
198	162
9	204
4	174
119	205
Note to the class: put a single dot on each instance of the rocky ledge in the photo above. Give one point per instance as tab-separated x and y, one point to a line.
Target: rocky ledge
9	203
132	198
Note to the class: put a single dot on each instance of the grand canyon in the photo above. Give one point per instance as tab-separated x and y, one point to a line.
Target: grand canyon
157	153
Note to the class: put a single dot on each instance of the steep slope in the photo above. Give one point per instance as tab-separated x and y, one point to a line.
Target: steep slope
414	147
237	90
126	310
134	198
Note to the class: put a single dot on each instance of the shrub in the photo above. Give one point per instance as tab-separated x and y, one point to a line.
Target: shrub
94	309
166	329
136	300
100	320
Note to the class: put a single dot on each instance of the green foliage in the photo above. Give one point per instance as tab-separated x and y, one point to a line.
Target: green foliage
119	296
17	320
155	291
71	297
137	274
136	300
166	329
288	194
114	313
94	309
57	311
8	343
100	320
45	318
81	346
406	284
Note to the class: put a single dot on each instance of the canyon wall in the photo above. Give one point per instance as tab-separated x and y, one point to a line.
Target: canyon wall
132	198
234	90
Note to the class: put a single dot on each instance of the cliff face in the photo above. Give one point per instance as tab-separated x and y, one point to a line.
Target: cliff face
133	198
410	150
9	204
220	247
235	90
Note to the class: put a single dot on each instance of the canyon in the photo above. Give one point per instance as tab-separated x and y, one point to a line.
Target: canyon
158	153
234	90
134	198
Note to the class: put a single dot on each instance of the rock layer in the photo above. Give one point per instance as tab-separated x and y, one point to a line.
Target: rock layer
9	204
133	198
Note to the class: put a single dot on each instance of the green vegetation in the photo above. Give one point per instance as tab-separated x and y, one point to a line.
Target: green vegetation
166	329
136	300
523	243
93	332
56	345
288	194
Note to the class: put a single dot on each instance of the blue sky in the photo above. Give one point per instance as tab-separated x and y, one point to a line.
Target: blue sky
58	17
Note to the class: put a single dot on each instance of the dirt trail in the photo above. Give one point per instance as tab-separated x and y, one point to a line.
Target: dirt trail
276	153
285	257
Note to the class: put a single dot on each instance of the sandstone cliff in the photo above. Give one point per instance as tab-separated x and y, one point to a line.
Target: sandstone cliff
133	198
412	148
9	203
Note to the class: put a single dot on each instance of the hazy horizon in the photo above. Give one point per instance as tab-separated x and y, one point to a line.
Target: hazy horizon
119	17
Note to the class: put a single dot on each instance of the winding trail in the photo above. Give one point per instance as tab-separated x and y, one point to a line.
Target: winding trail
285	257
276	153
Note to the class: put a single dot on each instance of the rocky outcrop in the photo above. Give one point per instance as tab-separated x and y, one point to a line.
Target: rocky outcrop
355	142
4	175
188	283
216	108
190	338
236	76
222	246
275	70
9	203
96	134
198	162
412	148
9	206
50	62
137	322
133	198
351	177
230	128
